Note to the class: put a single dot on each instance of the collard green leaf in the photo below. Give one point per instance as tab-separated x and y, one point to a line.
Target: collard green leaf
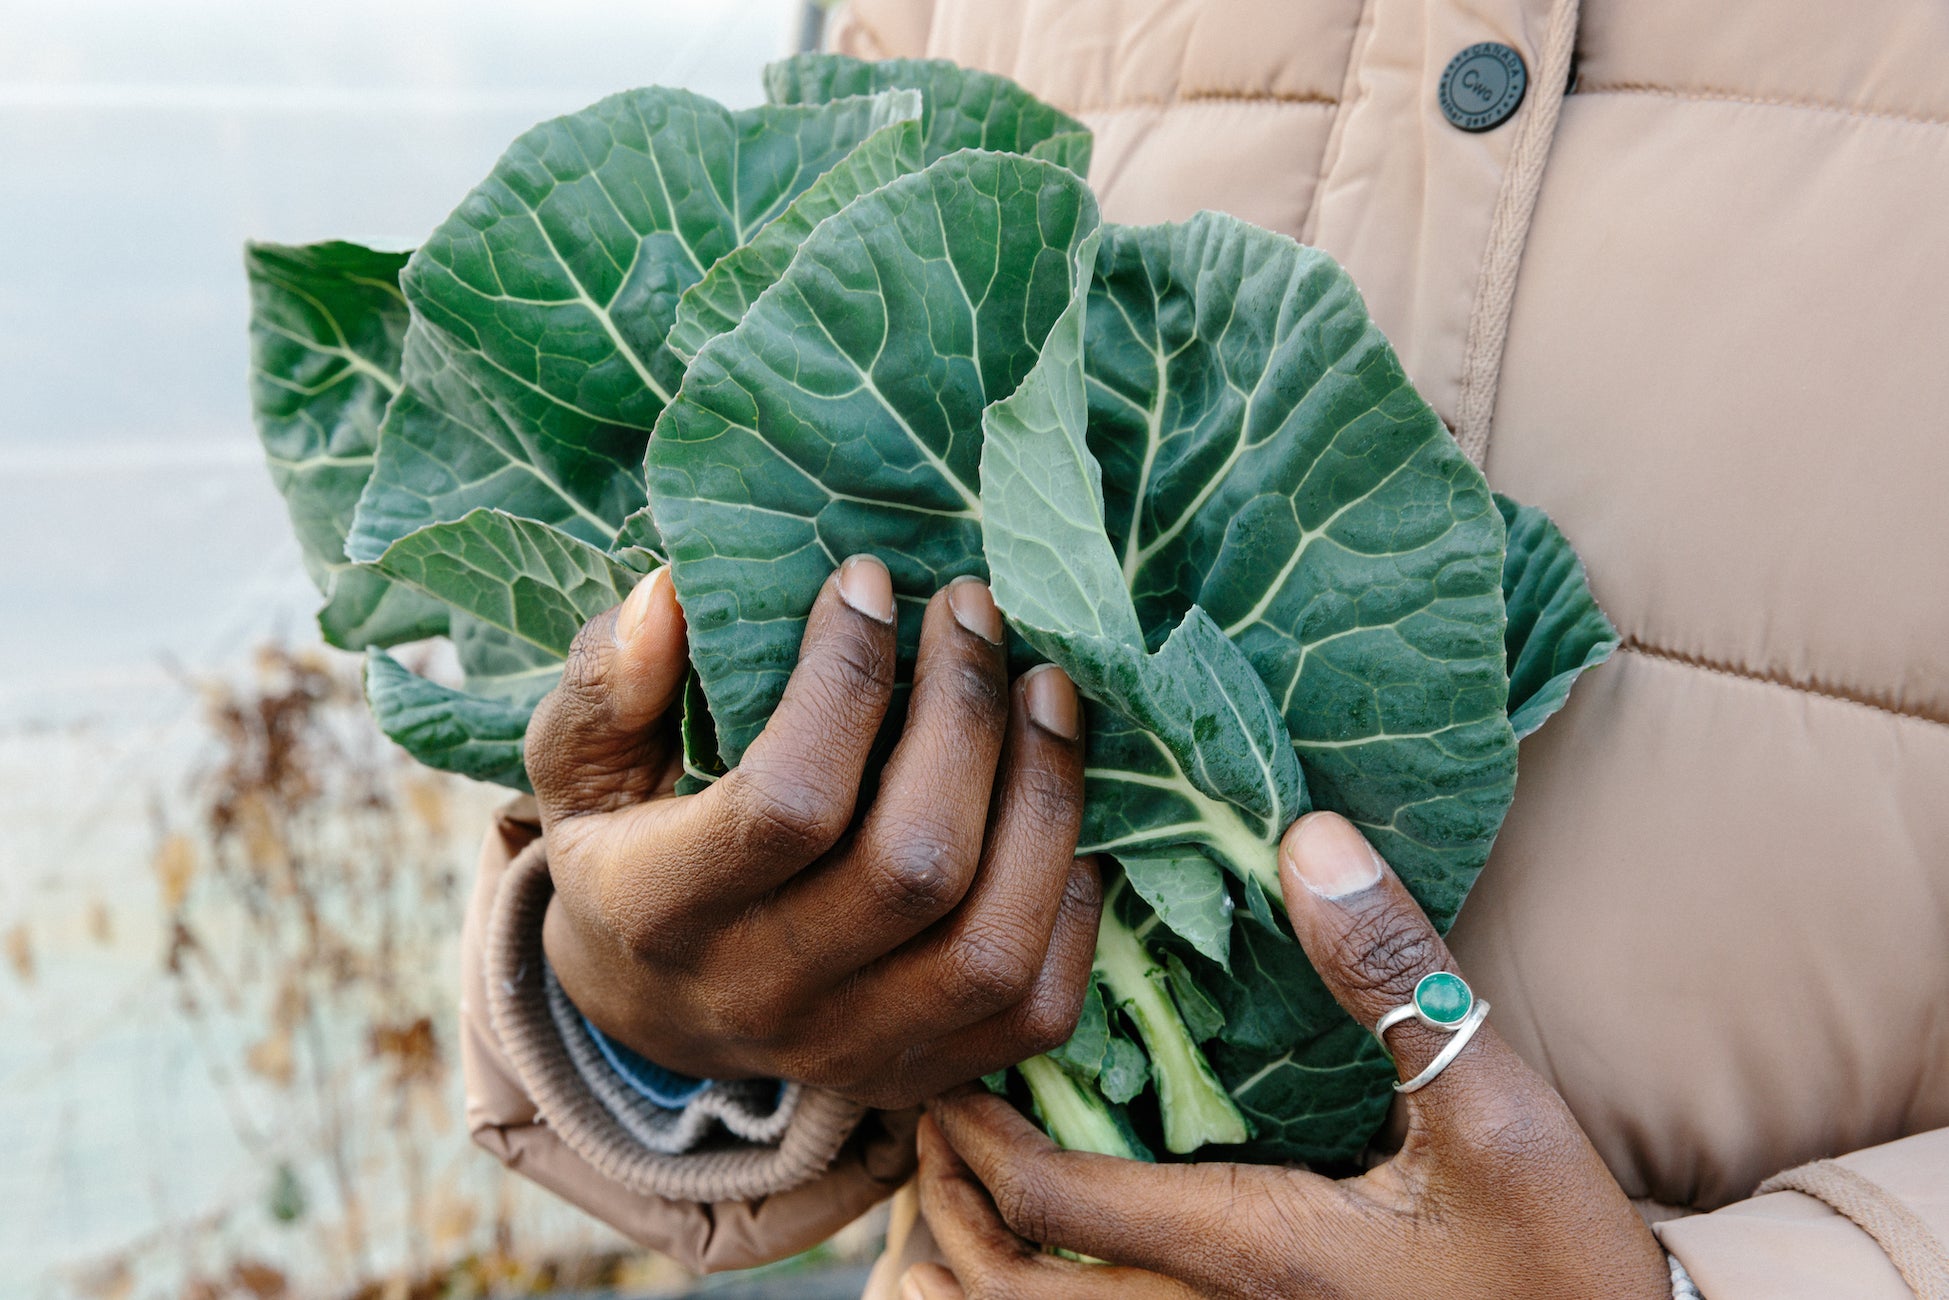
447	729
1201	1016
1187	892
1319	1099
1056	578
1556	631
536	362
719	301
976	110
535	583
1265	458
843	413
327	326
501	666
966	108
1125	1071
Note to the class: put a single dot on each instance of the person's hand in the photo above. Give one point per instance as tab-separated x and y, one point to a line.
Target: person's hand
1495	1193
767	926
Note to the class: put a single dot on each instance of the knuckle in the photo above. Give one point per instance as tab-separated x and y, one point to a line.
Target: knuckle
645	933
1387	952
781	815
988	971
922	879
978	688
1510	1129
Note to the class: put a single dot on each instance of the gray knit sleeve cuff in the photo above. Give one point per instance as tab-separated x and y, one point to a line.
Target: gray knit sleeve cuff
756	1110
1683	1287
774	1143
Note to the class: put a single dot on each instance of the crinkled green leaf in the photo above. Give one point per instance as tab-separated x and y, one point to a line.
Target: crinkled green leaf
1265	458
718	301
536	362
499	665
1125	1070
1059	582
1187	891
1201	1016
1556	631
327	326
965	109
1319	1099
976	111
447	729
843	413
1139	802
535	583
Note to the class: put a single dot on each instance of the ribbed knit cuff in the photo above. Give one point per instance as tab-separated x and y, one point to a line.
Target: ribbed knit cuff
517	978
756	1110
1683	1287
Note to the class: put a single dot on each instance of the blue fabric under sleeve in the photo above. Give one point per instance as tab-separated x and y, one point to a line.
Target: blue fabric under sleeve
657	1085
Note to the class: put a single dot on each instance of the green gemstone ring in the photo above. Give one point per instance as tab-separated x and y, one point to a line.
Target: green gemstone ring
1442	1000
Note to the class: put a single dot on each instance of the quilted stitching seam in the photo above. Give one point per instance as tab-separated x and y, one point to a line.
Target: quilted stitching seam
1711	94
1766	677
1204	97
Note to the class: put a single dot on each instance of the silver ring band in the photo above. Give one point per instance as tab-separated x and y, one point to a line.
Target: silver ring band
1406	1011
1450	1050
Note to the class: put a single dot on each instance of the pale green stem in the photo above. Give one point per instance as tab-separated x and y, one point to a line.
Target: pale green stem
1197	1110
1075	1114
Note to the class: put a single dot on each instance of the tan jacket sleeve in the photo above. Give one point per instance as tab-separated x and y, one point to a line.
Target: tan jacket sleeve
1869	1226
730	1206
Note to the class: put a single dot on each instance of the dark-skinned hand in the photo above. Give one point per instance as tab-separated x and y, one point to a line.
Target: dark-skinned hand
769	925
1495	1195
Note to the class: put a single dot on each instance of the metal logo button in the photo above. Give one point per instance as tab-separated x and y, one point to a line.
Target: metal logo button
1483	86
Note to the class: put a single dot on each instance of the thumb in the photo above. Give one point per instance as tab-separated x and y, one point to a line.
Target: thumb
595	743
1372	944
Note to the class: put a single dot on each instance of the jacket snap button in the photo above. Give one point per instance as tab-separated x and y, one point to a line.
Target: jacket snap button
1482	87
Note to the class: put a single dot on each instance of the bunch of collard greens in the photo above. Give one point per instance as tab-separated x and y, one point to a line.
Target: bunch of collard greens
881	313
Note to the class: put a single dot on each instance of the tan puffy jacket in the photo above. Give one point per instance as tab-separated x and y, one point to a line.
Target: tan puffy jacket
1697	308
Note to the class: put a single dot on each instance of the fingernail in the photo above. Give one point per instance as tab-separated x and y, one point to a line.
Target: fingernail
911	1289
1052	701
636	607
974	608
865	584
1330	855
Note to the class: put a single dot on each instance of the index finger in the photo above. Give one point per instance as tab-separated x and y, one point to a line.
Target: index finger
990	1259
1184	1220
791	797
